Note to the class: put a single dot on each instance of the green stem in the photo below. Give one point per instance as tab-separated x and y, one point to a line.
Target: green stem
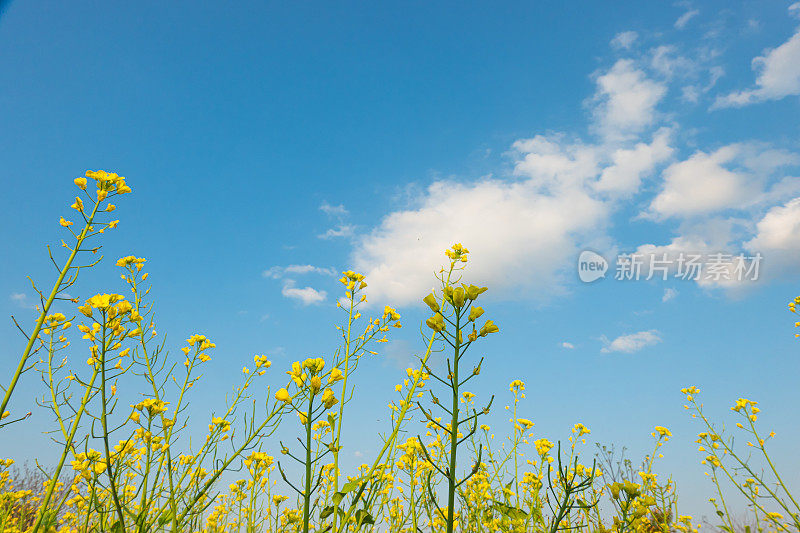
67	447
112	485
45	309
451	478
307	492
341	407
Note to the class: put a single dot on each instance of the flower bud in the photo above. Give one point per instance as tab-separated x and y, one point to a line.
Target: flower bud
328	399
459	296
436	322
475	313
316	384
487	328
432	303
473	292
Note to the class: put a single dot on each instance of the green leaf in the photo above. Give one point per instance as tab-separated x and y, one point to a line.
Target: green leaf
326	512
118	527
337	498
350	486
513	513
363	517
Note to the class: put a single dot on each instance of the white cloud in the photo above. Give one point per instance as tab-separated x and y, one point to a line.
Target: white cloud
778	238
625	102
778	76
524	231
306	295
21	299
736	176
278	272
685	18
520	237
632	343
692	93
669	294
666	61
624	40
631	165
334	210
568	345
342	230
701	184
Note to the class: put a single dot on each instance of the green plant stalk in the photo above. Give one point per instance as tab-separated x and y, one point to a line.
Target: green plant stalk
774	471
226	464
112	484
45	309
744	465
392	438
307	492
451	478
67	447
341	407
516	454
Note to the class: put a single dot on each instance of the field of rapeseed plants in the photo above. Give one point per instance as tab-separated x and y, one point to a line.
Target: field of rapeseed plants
129	467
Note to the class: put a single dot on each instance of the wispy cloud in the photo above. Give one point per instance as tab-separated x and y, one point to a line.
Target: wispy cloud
631	343
624	40
304	295
669	294
278	272
684	19
342	230
568	345
334	210
21	299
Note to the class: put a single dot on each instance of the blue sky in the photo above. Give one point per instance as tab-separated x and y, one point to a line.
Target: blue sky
270	146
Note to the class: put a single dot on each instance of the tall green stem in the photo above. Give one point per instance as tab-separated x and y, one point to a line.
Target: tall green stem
307	492
451	478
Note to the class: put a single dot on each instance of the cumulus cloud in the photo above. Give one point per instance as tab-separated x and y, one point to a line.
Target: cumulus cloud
524	230
735	176
701	184
568	345
778	238
631	343
778	76
520	237
626	100
630	165
305	295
